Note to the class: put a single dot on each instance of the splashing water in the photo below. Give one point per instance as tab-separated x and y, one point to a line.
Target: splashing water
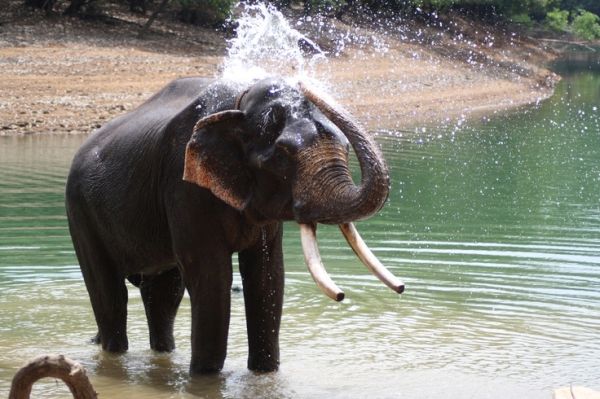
266	45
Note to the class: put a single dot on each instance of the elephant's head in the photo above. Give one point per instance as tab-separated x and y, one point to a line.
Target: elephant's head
282	153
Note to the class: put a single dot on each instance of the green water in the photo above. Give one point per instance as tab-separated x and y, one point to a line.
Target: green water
495	228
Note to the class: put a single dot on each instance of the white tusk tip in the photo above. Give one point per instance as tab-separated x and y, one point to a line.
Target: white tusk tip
370	261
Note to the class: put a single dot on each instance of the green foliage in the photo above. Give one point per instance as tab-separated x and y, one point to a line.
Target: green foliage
45	5
205	12
516	10
281	3
522	19
535	9
586	25
557	20
435	4
555	13
323	5
574	5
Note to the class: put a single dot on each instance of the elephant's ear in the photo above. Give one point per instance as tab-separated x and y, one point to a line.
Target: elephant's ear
214	158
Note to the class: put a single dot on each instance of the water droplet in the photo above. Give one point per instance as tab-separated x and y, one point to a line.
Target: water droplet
266	45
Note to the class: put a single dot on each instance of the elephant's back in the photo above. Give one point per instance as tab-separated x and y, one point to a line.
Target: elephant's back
137	133
144	123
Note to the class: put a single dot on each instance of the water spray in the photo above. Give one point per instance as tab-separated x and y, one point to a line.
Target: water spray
266	45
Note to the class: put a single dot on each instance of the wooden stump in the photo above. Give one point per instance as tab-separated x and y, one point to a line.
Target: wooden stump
54	366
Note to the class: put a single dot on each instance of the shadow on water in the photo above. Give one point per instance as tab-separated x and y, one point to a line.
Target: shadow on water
161	374
578	61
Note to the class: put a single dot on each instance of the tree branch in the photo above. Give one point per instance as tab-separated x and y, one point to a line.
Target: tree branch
158	10
55	366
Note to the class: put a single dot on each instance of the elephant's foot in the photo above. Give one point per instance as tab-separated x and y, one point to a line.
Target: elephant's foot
205	369
162	345
95	339
207	364
117	344
263	364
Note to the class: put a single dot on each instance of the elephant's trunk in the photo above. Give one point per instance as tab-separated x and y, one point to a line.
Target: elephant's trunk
324	192
323	169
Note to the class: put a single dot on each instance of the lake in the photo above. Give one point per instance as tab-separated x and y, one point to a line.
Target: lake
494	225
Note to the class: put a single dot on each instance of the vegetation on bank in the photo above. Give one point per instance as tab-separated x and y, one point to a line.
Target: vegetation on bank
579	17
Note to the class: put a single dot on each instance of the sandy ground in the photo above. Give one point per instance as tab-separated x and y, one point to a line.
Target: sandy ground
71	76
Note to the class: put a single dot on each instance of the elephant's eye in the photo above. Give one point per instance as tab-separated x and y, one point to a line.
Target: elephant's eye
273	121
275	115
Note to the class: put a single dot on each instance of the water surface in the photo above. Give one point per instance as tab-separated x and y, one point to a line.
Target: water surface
495	228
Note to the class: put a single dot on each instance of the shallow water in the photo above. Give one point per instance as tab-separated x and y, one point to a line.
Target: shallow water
495	228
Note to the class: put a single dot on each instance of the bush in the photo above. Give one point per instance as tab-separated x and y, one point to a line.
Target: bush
435	4
205	12
523	19
586	26
557	20
318	6
573	5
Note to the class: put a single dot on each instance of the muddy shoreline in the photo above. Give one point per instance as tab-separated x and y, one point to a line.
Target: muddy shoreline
68	76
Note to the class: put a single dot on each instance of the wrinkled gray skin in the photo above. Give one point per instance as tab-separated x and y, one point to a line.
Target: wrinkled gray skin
131	215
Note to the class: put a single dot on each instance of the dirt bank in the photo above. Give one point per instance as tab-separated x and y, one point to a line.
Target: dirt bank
65	75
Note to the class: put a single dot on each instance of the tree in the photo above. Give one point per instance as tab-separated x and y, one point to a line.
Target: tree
205	12
557	20
46	5
586	25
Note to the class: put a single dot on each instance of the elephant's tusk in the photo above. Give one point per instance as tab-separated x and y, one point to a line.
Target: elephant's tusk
371	262
315	266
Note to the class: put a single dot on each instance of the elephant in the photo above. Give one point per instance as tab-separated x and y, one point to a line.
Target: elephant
166	194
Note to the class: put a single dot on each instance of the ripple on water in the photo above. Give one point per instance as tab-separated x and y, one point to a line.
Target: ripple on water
499	246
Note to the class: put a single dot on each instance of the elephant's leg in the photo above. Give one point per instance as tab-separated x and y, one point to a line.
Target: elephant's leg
209	285
201	246
263	279
110	310
162	295
106	288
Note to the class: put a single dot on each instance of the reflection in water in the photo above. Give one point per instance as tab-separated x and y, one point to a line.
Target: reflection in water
495	229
